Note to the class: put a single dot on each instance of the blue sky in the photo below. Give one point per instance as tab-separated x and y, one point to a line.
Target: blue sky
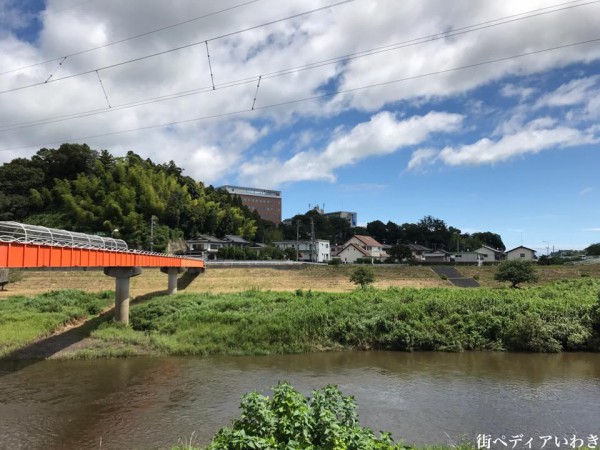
509	146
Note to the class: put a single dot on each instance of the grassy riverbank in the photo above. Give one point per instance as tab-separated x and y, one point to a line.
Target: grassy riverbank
560	316
25	320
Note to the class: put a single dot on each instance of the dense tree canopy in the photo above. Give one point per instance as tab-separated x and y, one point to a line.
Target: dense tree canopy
593	250
433	233
80	189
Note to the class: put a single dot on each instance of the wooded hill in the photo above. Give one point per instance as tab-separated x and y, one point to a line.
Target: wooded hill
80	189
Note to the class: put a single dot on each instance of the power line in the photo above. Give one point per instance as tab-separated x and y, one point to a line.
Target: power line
182	47
120	41
314	97
313	65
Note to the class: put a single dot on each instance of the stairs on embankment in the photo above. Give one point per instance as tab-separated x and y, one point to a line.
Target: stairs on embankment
455	277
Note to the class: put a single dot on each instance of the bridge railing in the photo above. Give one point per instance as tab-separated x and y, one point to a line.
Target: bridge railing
35	234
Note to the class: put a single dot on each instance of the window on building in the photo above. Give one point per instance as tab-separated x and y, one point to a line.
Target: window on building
522	255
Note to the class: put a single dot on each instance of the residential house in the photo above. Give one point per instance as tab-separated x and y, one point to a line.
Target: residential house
236	241
313	251
521	253
417	251
351	252
468	257
491	254
370	245
436	256
205	246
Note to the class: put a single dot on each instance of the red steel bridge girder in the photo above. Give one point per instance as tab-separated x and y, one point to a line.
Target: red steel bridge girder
20	256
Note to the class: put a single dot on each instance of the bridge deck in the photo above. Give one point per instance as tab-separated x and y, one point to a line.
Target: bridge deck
14	255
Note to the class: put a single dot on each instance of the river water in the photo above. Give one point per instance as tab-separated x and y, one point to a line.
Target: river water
420	397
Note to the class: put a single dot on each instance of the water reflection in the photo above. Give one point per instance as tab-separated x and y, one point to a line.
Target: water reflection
421	397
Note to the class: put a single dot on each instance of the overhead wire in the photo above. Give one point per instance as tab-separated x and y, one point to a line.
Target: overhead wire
175	49
364	53
314	97
130	38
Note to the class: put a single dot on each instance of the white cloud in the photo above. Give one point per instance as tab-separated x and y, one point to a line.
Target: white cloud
381	135
511	90
572	93
422	157
537	136
591	229
586	191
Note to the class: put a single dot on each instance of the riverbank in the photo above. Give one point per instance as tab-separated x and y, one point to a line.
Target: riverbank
560	316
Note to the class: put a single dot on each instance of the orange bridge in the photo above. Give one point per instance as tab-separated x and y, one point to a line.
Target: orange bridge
27	246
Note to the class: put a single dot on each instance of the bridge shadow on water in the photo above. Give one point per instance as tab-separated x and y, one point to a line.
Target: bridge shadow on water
47	347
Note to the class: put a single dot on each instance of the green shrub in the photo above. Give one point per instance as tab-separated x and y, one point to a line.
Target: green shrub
290	420
362	276
516	272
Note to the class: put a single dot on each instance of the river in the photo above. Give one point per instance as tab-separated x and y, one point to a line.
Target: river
421	397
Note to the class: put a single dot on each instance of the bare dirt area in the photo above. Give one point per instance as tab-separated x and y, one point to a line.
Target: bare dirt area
217	280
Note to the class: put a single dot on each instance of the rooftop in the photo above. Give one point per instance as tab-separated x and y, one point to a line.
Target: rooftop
240	190
367	240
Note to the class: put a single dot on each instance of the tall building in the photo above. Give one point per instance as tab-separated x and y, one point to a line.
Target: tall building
351	217
266	202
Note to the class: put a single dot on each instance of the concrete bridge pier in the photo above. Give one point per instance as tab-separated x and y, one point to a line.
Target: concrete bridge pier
122	276
172	281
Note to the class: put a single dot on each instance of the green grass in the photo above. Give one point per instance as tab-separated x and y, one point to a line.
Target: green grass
24	320
560	316
555	317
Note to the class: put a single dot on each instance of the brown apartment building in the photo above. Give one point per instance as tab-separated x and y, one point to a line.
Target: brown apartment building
264	201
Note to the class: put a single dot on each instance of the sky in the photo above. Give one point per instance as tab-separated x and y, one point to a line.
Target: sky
482	114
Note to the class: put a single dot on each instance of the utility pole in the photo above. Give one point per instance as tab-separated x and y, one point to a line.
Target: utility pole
297	239
312	239
152	233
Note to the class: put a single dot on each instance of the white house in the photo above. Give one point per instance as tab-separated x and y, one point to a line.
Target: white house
315	251
373	248
468	257
351	252
491	254
521	253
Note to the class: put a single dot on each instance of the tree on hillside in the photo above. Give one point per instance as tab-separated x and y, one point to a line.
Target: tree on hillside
378	230
363	276
490	239
400	252
593	250
516	272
